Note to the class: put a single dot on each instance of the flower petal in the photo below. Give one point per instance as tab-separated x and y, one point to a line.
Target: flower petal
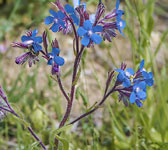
141	95
132	98
117	4
121	23
62	23
25	38
59	60
121	77
50	62
141	64
81	31
37	47
34	33
53	13
60	14
75	19
54	27
97	28
69	8
85	40
37	39
129	72
87	25
149	82
48	20
118	70
55	51
96	38
142	85
126	83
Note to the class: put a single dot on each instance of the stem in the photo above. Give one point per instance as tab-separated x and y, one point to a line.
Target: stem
31	131
11	110
96	107
76	35
69	105
2	108
62	88
36	137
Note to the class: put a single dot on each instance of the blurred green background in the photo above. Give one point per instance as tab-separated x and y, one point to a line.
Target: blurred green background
36	96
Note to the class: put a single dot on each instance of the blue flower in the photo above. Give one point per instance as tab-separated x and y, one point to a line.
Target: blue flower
53	57
70	10
88	31
35	41
124	76
141	66
148	78
118	11
139	93
56	19
120	23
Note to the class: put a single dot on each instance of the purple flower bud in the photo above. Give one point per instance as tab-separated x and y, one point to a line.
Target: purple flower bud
109	31
59	5
54	44
45	41
100	12
19	45
111	15
123	66
31	58
29	33
55	69
22	59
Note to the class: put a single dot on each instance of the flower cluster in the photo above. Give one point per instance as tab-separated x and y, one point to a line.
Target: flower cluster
134	84
32	44
92	28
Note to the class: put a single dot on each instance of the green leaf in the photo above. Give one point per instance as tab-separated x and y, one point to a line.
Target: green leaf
84	98
63	129
32	146
77	92
77	77
54	134
92	107
164	35
63	141
74	50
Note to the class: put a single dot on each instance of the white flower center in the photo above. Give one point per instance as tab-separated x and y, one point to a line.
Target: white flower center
143	69
137	89
90	32
127	74
56	20
51	57
121	23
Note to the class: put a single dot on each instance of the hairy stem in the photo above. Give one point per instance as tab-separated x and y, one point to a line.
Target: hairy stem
62	88
69	105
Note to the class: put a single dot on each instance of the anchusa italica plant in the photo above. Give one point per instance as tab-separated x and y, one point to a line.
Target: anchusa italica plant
88	29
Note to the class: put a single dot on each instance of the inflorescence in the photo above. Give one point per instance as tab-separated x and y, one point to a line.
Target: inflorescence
91	29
